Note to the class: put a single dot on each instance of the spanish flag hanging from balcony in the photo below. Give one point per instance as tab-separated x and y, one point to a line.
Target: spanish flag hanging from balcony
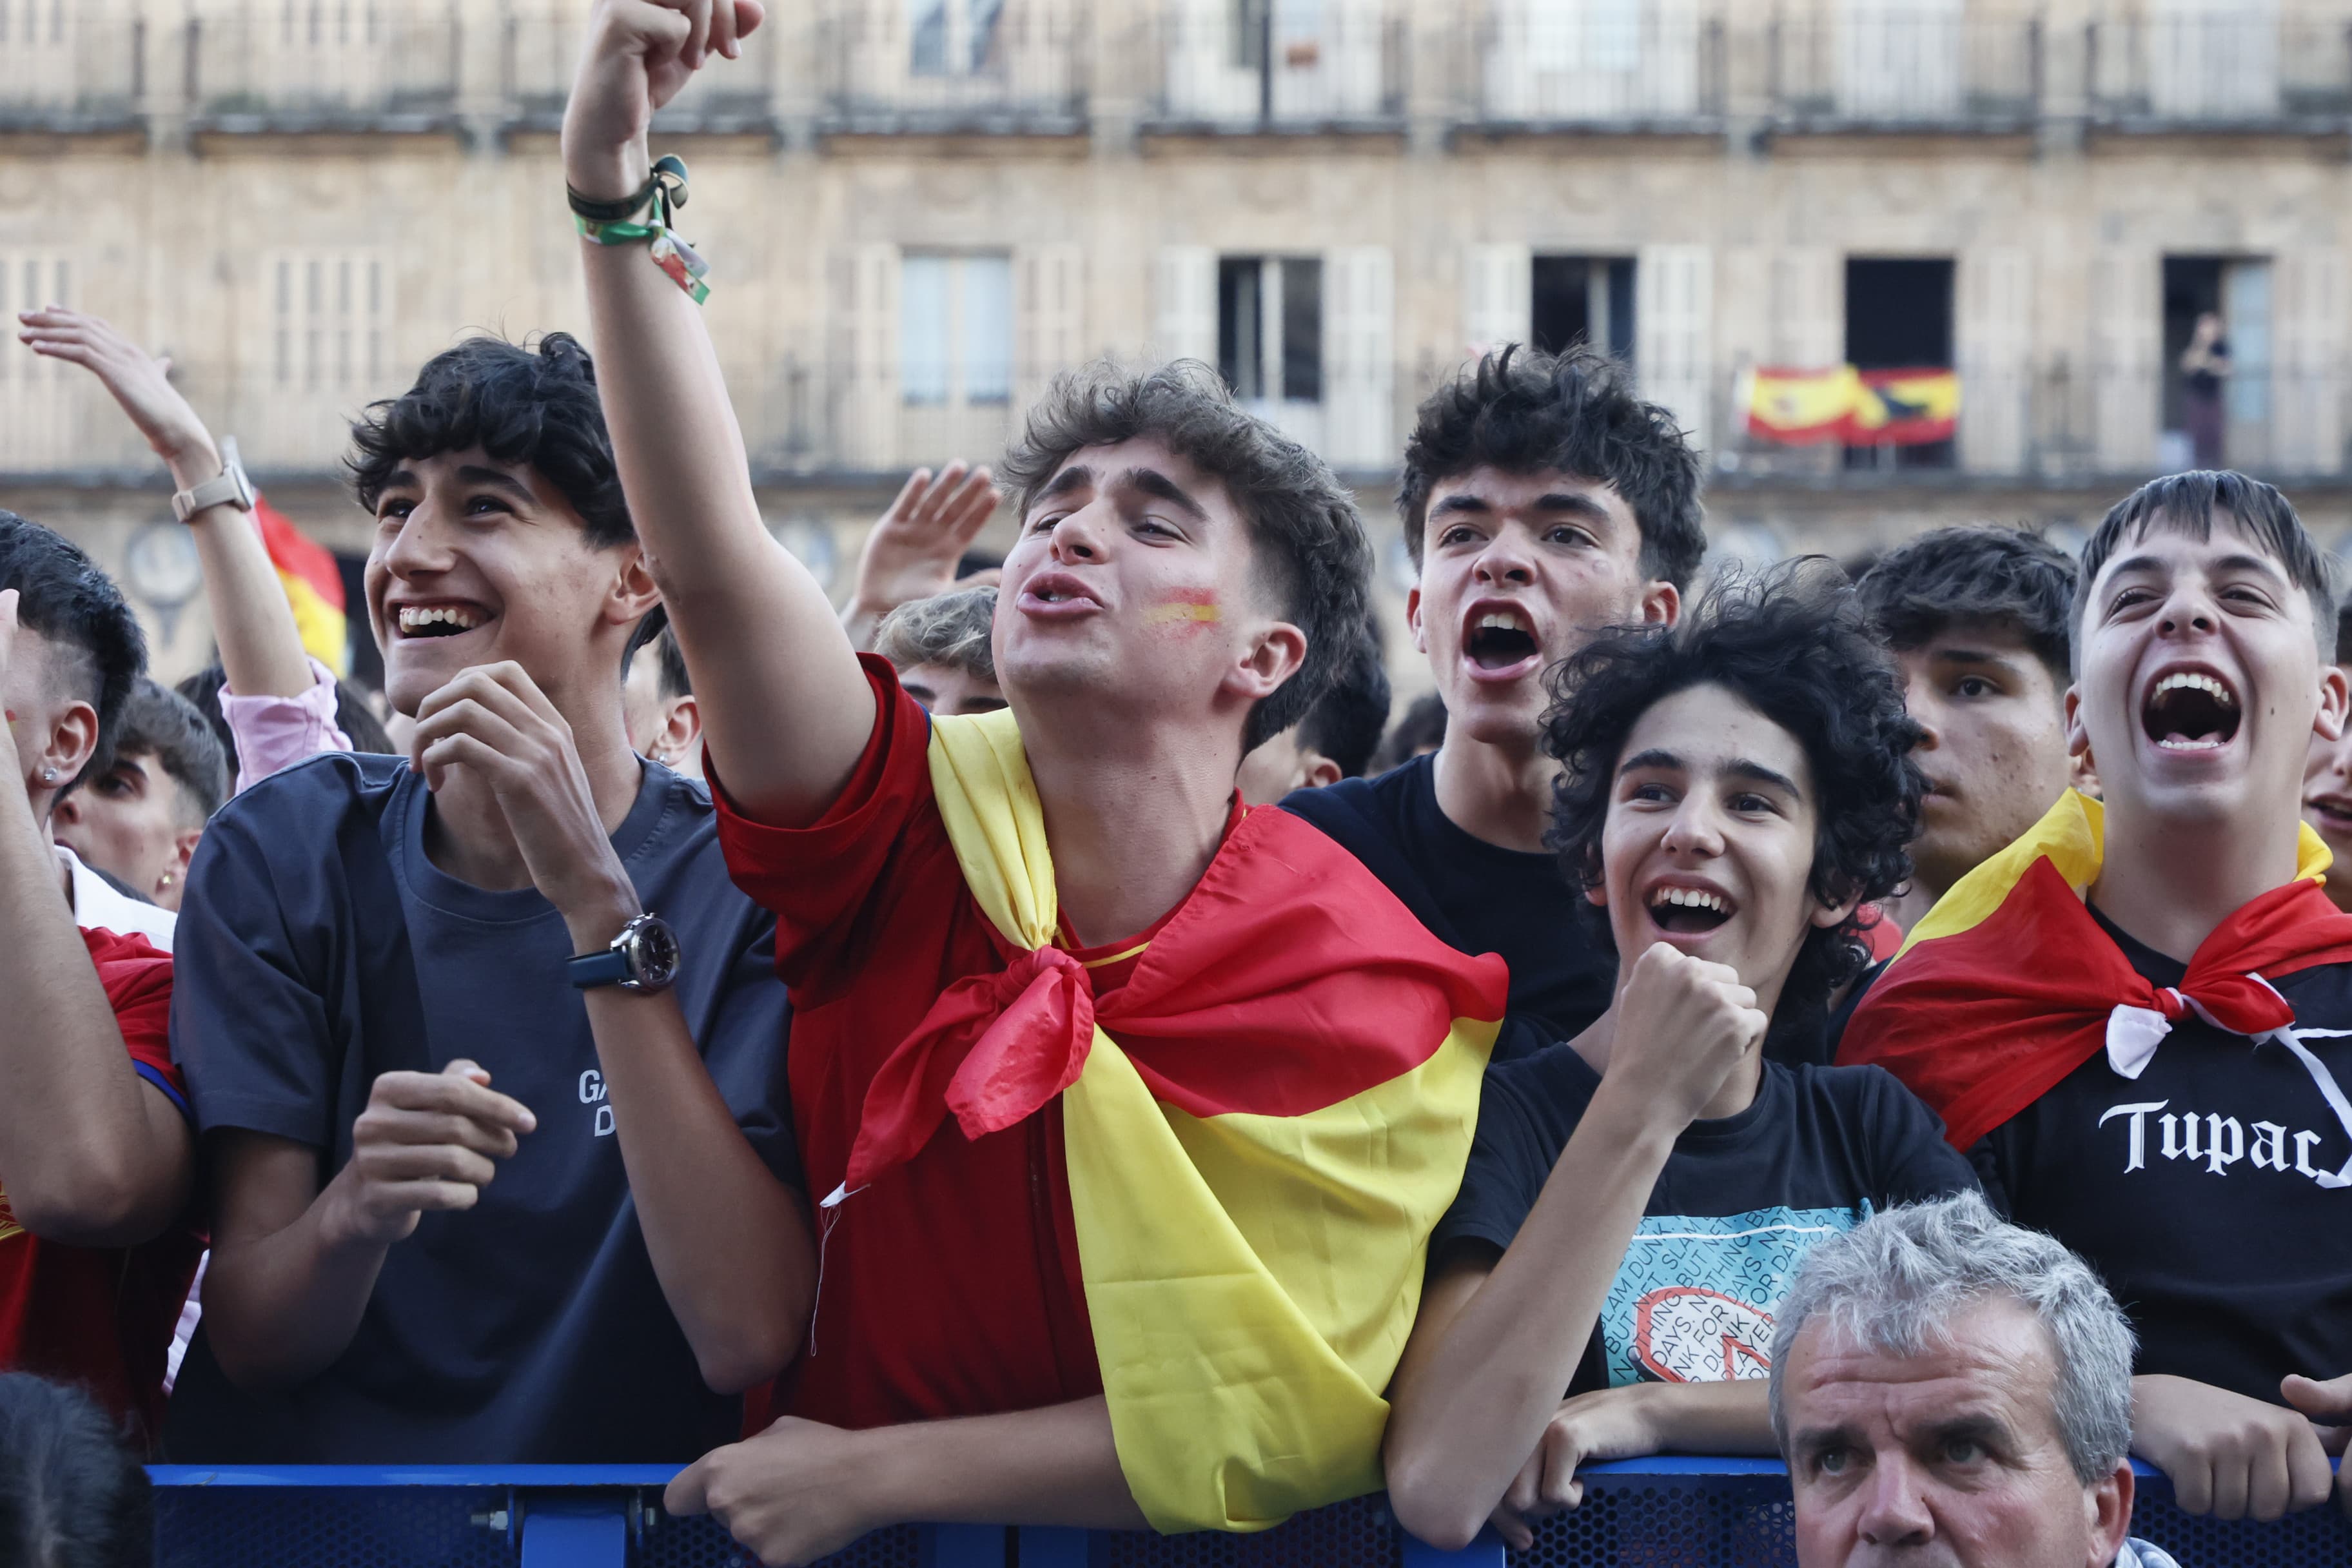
1853	407
314	586
1254	1163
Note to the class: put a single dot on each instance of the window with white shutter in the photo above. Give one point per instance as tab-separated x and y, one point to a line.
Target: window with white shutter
865	356
36	393
1674	325
1184	304
331	314
1359	357
1996	341
1049	299
2308	373
1497	292
2127	328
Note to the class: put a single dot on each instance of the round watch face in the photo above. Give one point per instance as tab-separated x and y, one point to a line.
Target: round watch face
652	953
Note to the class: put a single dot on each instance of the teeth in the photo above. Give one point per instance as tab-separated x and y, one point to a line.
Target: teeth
2179	743
2205	683
414	617
1689	898
1505	620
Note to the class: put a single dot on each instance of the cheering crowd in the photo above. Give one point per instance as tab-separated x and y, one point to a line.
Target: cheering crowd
1049	1074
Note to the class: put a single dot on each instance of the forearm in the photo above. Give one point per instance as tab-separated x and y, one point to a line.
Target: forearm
280	1308
1058	1466
729	1242
1711	1418
79	1159
1471	1402
785	708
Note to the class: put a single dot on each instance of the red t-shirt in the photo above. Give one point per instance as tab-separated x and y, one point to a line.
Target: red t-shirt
950	1286
102	1317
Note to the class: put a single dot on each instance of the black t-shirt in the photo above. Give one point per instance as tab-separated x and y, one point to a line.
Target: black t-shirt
1474	896
319	948
1740	1199
2207	1191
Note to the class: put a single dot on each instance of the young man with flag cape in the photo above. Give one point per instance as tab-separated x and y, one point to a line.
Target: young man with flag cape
2138	1017
1128	1112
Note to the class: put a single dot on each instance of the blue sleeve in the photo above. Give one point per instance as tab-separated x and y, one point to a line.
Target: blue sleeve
250	1030
1914	1159
742	1044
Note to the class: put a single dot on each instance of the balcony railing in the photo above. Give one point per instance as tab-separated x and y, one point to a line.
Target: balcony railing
322	64
1260	65
1873	66
2244	68
1652	64
949	64
66	64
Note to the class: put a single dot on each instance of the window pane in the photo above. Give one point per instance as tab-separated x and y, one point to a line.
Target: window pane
927	35
923	345
984	15
1302	329
1239	360
986	329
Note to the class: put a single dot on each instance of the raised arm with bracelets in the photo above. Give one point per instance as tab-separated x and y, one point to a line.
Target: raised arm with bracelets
785	709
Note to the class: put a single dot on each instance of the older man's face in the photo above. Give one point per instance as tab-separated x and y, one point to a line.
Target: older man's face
1951	1459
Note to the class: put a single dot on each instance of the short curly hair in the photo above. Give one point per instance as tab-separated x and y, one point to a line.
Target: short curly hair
1310	538
1978	573
1792	644
1523	411
521	405
950	628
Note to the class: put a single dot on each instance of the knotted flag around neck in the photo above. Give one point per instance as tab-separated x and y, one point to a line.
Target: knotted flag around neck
1255	1165
2009	983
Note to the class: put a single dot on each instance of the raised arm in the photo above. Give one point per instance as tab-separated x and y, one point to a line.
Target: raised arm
785	710
260	646
90	1153
1492	1353
913	549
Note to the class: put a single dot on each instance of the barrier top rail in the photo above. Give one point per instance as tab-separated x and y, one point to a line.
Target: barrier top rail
1695	1512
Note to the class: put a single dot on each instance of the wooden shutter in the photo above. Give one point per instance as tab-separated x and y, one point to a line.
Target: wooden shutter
1049	311
1184	304
1497	296
864	356
2127	335
1359	357
1995	358
36	393
1674	327
2307	402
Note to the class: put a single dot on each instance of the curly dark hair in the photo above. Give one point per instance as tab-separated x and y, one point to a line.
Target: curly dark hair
2001	576
1345	725
1523	411
521	405
1310	541
1792	644
99	649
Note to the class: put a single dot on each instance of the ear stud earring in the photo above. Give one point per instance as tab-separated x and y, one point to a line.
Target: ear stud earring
48	775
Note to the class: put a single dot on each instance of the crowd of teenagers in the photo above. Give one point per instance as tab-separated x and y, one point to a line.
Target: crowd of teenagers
1073	1062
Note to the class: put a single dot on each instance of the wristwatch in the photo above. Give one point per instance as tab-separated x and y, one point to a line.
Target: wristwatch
643	958
228	488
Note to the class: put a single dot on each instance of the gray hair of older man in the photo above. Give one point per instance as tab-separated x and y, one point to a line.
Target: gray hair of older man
949	629
1894	1283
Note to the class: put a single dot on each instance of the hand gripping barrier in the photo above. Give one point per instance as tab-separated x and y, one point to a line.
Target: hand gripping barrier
1656	1513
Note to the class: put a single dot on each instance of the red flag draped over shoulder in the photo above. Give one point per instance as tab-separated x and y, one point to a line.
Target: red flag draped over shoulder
2009	983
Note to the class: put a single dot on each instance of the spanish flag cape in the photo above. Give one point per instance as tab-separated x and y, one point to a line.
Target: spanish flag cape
1255	1177
2007	984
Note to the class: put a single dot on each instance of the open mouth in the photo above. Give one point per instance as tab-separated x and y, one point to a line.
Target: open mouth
1499	639
1687	912
2334	812
439	620
2191	711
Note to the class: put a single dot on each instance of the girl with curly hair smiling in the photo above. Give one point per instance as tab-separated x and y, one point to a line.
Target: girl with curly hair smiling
1734	790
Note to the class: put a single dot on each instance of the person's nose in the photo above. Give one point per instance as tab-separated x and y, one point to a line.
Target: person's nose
1919	701
419	549
66	813
2189	609
1895	1510
1506	561
1694	832
1078	538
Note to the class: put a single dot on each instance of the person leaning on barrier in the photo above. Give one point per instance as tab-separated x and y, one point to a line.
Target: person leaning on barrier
1733	790
1948	1388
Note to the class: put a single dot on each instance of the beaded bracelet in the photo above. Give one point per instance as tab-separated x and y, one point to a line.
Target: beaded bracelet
613	223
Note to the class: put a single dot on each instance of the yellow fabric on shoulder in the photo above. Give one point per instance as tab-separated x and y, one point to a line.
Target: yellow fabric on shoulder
2071	835
1248	1299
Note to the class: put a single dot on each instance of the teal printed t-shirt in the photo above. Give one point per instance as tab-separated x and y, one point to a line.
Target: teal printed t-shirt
1739	1201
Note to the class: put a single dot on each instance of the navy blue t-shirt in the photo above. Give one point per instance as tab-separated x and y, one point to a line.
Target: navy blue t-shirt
319	947
1739	1202
1474	896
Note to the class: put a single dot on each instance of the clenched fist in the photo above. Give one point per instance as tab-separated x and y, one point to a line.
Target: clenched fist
1683	1025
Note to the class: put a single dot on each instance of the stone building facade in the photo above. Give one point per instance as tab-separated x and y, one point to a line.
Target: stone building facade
918	210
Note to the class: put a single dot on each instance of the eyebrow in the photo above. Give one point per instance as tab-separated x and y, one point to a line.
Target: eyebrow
1975	656
1989	1431
1152	482
1739	767
1077	477
2243	561
1551	500
475	474
1816	1439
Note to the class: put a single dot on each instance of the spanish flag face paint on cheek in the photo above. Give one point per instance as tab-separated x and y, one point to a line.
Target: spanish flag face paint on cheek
1185	611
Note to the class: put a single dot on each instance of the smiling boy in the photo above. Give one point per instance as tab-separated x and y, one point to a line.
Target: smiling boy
1734	789
590	1260
1542	503
2136	1017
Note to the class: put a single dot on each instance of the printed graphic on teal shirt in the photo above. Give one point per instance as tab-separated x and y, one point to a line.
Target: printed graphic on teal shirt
1692	1302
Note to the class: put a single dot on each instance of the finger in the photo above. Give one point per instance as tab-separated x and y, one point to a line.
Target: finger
722	30
2193	1484
975	503
909	497
390	1127
687	1490
2310	1478
749	15
454	1094
1562	1454
426	1197
1514	1529
2268	1485
510	680
2232	1481
477	718
388	1164
2333	1440
991	578
1520	1495
939	498
2331	1400
697	33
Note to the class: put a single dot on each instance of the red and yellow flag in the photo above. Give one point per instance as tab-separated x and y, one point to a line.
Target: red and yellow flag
314	586
1853	407
2007	984
1255	1162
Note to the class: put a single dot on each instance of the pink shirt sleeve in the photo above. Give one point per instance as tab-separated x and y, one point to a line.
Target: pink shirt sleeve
274	732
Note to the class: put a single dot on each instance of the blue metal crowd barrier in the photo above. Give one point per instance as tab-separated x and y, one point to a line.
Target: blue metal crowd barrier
1683	1512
